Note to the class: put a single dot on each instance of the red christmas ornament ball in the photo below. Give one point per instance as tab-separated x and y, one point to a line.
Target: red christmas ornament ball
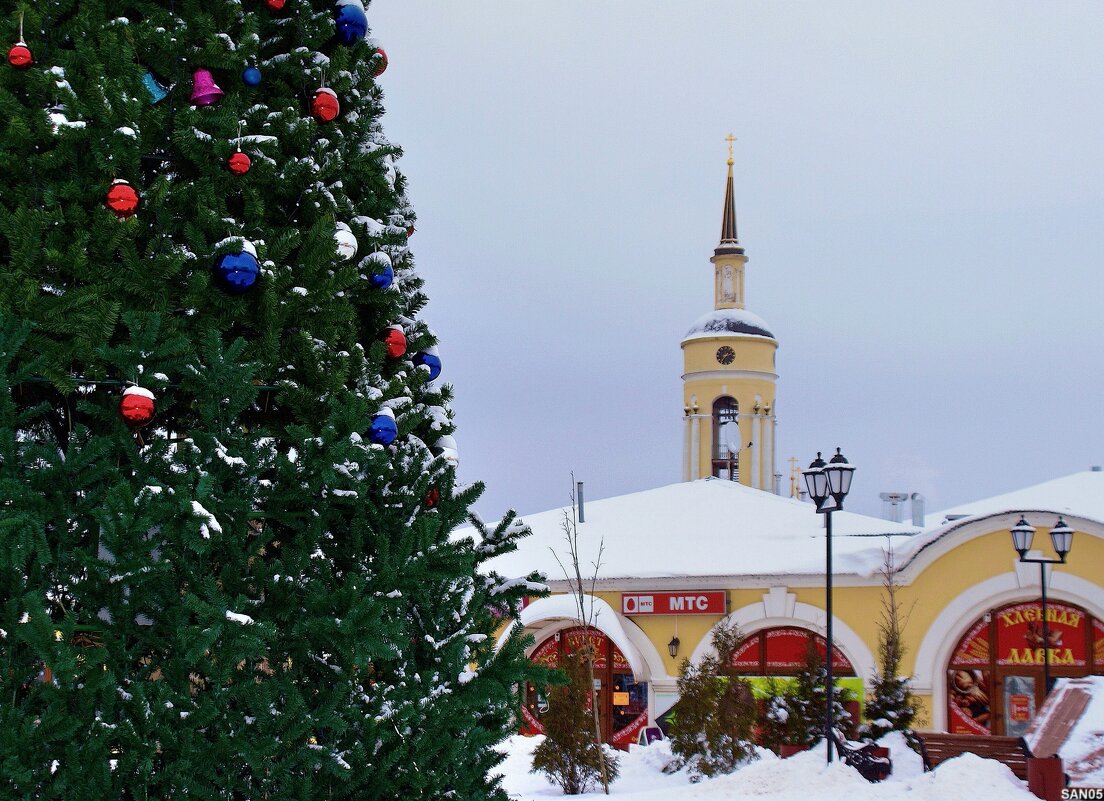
325	107
239	163
275	5
381	67
395	341
122	199
432	498
137	406
20	56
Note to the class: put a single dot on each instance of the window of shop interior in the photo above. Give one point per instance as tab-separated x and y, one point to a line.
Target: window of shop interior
622	700
995	673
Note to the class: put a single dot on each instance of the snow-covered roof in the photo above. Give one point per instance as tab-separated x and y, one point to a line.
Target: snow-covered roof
1081	494
709	527
722	322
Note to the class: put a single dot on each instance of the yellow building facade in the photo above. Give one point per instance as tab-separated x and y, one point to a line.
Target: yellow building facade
676	561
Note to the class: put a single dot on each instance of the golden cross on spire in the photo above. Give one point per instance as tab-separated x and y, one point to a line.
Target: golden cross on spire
730	139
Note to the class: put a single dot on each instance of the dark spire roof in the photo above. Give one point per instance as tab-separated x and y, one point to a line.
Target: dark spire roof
730	242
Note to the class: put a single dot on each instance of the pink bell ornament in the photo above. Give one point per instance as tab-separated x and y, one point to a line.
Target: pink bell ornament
204	89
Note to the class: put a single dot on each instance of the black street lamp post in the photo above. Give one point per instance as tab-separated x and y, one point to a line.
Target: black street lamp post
1061	538
824	481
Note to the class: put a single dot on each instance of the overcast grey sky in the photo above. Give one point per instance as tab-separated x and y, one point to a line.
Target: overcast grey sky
919	188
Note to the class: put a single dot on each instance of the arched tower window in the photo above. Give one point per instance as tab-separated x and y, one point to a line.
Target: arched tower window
726	438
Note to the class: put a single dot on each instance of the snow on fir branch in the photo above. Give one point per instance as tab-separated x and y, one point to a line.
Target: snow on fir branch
210	523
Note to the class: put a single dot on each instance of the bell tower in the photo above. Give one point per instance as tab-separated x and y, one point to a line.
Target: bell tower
729	374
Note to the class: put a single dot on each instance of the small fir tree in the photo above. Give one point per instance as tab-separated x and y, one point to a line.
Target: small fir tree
804	702
569	755
712	731
891	705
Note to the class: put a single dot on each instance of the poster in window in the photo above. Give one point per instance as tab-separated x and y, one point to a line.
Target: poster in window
974	648
968	709
1019	704
1098	645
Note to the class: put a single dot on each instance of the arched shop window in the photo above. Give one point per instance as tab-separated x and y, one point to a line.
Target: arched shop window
995	674
772	654
622	700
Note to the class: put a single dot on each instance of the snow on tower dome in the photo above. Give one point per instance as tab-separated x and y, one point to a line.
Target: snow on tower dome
720	322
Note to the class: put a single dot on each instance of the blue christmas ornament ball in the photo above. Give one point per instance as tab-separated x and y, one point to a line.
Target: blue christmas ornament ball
431	361
383	430
352	24
237	272
251	76
383	277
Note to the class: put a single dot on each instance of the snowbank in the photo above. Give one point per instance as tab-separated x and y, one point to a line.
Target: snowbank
799	778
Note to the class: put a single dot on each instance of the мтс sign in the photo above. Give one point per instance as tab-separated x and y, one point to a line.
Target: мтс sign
690	602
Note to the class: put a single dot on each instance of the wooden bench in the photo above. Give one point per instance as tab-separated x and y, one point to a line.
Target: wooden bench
936	748
862	758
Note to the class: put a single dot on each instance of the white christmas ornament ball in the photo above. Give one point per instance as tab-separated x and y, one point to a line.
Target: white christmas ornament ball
346	241
446	448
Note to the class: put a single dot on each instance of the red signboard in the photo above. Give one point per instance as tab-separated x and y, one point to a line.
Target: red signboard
629	735
578	639
1020	635
547	654
692	602
746	657
1098	644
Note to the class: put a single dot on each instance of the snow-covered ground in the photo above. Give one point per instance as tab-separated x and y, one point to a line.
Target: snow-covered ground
799	778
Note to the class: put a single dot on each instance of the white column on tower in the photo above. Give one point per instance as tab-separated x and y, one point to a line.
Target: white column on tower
695	446
768	447
686	445
756	430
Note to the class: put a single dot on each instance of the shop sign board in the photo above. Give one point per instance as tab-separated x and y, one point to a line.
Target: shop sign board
691	602
1020	635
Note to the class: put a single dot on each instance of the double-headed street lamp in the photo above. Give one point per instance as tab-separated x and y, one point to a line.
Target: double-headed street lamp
824	481
1061	538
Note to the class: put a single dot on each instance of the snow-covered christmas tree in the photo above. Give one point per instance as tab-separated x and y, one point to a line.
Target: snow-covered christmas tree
227	475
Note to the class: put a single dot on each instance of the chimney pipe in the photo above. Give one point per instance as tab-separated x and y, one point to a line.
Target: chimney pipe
917	509
579	495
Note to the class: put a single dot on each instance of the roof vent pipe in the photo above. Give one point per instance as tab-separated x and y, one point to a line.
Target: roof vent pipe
917	509
579	495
